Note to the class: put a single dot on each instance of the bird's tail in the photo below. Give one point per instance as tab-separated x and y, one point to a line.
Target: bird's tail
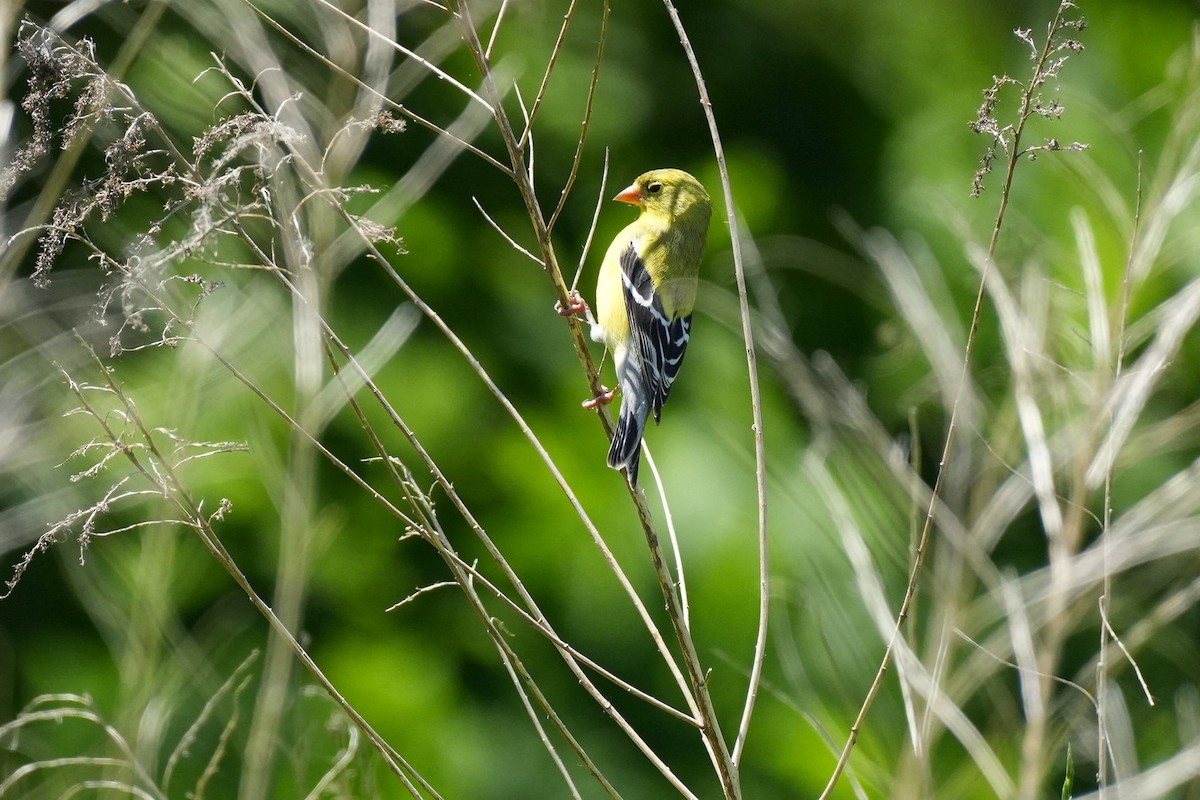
626	450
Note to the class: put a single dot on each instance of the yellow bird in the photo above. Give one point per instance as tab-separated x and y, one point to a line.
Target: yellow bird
644	300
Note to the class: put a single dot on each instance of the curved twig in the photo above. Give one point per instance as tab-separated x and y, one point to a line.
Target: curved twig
760	455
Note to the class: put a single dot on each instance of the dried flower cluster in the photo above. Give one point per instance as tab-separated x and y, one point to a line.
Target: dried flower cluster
221	189
1048	61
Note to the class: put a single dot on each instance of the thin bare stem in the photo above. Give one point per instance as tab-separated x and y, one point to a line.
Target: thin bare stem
542	453
462	577
568	17
496	29
461	507
587	119
466	576
450	490
543	629
520	175
698	697
760	455
587	243
1102	666
1128	656
518	680
424	590
511	241
670	520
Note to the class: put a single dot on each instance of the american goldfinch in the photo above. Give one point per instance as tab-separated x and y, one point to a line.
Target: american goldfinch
644	300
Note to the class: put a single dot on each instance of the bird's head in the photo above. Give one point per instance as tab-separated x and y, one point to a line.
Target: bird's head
670	192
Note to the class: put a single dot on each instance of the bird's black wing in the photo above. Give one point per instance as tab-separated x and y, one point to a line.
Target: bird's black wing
657	341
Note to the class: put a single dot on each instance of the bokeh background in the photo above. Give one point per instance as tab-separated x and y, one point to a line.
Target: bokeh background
836	118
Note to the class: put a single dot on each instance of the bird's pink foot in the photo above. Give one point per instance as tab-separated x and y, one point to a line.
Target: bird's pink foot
575	305
604	398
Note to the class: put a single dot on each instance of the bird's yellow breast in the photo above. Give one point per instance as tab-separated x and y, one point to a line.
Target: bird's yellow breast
610	294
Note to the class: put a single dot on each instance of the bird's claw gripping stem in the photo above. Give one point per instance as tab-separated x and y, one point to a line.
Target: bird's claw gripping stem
575	304
604	398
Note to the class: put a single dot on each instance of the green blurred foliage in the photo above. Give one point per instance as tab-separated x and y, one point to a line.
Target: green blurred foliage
829	111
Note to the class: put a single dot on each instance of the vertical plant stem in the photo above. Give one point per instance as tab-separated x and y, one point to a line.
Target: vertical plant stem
681	577
760	456
587	119
1033	747
1102	667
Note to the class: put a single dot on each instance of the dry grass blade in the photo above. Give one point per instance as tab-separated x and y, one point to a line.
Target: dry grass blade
933	330
1023	343
1132	391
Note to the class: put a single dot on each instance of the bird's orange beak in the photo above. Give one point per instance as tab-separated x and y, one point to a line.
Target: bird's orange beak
631	194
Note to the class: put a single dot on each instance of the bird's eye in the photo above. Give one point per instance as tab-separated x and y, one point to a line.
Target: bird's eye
654	188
